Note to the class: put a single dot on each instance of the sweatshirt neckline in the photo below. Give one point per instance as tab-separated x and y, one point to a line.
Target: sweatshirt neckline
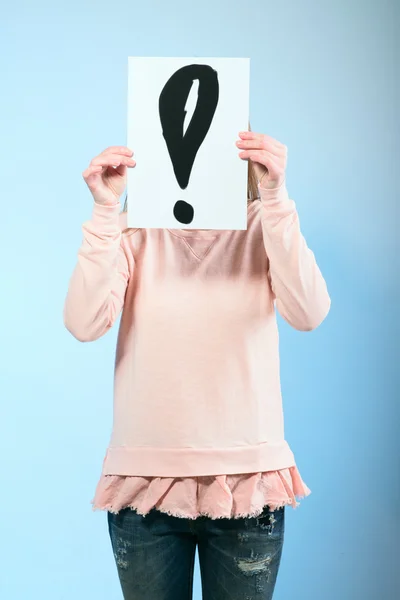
208	233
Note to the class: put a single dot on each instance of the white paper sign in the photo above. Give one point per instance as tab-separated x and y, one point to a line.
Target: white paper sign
184	117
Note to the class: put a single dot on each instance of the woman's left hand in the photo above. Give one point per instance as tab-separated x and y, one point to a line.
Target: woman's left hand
269	157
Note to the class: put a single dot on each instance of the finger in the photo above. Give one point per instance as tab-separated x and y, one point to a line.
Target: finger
118	150
250	135
112	156
253	143
262	156
121	170
92	170
261	143
273	141
112	160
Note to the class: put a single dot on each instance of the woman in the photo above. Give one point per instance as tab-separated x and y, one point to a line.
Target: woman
197	456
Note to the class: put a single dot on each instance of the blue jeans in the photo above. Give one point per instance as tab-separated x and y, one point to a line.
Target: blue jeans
239	558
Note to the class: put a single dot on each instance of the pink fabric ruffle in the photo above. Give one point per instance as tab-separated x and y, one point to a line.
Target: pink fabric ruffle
190	497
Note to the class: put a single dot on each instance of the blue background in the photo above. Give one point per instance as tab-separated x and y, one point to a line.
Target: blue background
323	82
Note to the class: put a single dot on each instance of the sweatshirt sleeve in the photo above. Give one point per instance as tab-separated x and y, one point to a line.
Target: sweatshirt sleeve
98	284
300	291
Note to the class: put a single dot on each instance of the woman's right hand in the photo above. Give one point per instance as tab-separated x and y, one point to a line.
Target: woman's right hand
106	174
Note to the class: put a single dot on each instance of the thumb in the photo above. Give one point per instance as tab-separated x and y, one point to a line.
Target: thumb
259	170
121	170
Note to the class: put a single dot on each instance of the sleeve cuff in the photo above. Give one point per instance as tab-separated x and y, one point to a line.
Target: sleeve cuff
270	196
106	215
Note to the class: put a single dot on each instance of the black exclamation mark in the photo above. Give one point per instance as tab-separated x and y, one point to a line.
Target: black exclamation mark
182	147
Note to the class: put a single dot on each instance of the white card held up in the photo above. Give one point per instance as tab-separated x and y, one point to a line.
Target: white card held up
184	117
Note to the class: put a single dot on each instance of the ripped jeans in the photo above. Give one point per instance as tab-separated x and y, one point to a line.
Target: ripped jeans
155	554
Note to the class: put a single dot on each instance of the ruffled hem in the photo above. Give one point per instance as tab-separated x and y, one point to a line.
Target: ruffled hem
218	496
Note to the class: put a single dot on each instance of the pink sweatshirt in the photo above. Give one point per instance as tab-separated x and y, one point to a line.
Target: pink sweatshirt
197	385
